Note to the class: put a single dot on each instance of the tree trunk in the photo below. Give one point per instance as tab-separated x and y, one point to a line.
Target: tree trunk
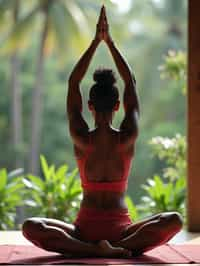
16	113
37	100
16	103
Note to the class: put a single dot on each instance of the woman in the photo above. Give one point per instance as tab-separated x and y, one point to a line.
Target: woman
103	226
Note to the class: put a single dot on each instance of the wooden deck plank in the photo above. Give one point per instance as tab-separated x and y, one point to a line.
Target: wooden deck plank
13	237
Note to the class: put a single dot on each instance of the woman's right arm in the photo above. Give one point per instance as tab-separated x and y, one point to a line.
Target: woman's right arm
129	125
130	95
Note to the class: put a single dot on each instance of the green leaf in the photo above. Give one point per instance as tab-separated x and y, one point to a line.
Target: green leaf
168	193
45	168
37	181
3	178
71	178
16	172
75	194
30	203
61	173
52	174
132	208
159	186
29	184
13	200
37	197
14	188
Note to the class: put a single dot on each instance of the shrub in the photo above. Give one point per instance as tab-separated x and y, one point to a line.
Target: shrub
11	196
167	193
56	196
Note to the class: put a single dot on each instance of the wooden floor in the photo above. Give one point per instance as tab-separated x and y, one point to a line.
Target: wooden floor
16	238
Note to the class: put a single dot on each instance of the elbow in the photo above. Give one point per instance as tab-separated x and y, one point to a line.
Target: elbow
133	78
75	78
71	79
130	81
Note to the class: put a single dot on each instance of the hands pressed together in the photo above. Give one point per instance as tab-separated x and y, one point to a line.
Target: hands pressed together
102	29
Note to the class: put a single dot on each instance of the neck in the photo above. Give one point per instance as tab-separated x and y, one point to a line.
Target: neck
103	120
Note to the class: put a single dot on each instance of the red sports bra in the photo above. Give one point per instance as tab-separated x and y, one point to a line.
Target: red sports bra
116	186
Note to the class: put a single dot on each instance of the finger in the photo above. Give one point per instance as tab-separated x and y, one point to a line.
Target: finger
101	14
104	14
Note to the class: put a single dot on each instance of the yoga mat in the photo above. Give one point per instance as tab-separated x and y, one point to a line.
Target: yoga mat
28	254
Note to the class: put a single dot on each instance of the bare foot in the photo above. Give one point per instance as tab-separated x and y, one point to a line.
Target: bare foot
107	250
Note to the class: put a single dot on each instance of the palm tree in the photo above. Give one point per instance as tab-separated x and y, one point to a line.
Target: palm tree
56	16
16	97
56	20
16	106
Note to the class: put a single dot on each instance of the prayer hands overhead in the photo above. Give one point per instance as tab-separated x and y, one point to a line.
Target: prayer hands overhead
102	31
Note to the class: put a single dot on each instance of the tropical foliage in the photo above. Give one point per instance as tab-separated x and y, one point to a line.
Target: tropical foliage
168	191
57	196
11	195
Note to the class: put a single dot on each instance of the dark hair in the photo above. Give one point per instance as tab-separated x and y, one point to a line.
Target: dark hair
104	94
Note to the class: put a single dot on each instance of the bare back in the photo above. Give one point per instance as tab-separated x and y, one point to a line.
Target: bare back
105	155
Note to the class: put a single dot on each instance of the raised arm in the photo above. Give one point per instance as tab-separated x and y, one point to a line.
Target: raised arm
74	101
74	96
78	126
130	99
130	94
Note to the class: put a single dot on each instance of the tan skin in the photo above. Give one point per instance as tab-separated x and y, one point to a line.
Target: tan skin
104	164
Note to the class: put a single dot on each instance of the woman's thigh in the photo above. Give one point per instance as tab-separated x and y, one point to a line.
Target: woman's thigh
32	226
132	228
169	221
68	228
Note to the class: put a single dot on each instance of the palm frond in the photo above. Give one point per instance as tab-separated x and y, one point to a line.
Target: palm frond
78	17
65	18
58	24
16	37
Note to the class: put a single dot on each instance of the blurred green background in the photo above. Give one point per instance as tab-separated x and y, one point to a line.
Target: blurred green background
40	42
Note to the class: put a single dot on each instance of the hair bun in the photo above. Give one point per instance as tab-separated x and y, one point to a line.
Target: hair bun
104	76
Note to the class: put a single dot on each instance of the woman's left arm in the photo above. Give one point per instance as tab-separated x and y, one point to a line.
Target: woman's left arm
77	125
74	101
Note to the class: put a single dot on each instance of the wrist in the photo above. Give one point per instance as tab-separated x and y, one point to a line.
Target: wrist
96	41
109	41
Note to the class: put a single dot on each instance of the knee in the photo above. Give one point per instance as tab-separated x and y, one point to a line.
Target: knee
32	227
172	220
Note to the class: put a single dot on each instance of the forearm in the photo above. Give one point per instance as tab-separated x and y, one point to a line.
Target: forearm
82	65
130	94
122	65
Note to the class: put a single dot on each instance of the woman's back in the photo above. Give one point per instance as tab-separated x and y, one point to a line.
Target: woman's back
105	159
104	166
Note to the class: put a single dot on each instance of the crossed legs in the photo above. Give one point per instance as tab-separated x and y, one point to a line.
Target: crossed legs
151	232
57	236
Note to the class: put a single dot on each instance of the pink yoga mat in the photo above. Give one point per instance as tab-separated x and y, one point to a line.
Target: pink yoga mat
12	254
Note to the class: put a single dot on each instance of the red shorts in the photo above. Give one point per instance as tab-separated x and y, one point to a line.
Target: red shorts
94	225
